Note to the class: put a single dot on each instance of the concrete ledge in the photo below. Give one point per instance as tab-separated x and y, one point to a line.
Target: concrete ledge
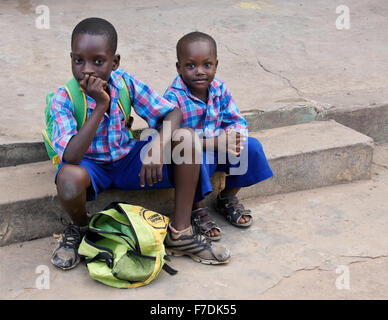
14	154
371	120
19	153
312	155
302	157
286	115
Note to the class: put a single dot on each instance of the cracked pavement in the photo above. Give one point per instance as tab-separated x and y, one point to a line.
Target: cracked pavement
270	56
298	92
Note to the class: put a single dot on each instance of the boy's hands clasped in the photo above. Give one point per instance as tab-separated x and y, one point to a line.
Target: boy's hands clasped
231	142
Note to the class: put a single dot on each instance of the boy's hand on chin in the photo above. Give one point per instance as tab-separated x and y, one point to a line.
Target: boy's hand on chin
95	87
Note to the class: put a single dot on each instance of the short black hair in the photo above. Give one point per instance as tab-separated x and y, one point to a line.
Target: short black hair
192	37
97	26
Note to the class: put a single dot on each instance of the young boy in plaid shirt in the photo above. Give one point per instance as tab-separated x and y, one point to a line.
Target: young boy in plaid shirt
208	107
102	154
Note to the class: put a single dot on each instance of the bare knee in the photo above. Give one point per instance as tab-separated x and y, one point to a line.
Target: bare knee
72	181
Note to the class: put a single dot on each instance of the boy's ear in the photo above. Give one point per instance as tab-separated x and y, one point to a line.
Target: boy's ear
216	63
116	61
178	67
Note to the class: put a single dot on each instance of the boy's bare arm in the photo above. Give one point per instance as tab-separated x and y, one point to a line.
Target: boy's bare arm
79	143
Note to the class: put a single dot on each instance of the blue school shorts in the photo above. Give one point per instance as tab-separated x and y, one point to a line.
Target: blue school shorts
124	174
248	169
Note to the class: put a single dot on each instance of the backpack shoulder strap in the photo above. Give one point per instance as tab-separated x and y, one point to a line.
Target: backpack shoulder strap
125	103
78	99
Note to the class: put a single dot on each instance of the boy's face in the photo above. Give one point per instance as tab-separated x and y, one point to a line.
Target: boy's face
91	54
197	66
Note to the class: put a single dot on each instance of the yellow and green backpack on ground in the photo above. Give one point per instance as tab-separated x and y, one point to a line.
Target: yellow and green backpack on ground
124	245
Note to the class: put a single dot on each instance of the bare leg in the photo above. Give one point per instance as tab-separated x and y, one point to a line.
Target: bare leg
72	183
186	179
229	192
181	238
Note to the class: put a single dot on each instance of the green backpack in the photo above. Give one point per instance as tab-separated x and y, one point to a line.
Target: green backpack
124	245
78	99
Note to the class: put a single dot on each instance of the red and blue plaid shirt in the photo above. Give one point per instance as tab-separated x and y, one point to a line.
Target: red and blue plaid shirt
112	140
220	112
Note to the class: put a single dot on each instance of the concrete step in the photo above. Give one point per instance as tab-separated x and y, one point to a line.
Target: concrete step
292	251
13	154
302	157
371	120
312	155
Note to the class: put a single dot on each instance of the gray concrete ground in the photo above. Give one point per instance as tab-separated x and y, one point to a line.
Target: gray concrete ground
327	243
271	53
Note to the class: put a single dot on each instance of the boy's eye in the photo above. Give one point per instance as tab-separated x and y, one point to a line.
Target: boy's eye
190	65
77	60
99	61
208	65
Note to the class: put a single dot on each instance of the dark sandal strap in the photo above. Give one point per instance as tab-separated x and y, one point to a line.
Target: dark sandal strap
203	220
233	209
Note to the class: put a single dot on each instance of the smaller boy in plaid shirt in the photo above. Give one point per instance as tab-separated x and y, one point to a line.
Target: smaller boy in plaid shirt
208	107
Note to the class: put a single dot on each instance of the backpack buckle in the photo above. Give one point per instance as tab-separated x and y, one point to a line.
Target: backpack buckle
109	262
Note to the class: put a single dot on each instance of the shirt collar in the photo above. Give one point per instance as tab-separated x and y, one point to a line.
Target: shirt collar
115	79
